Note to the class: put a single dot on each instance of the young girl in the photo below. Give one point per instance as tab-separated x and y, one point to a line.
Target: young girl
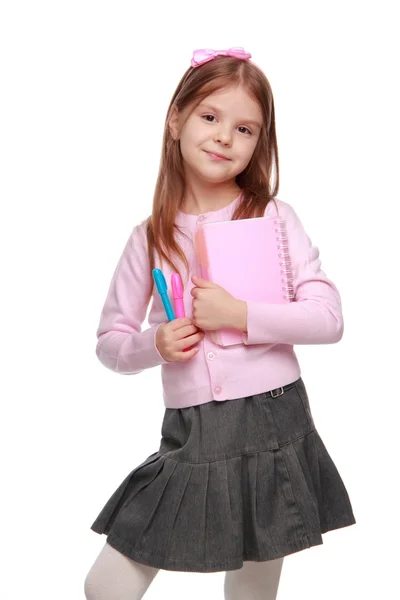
242	477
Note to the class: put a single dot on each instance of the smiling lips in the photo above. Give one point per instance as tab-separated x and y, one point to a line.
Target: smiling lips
216	156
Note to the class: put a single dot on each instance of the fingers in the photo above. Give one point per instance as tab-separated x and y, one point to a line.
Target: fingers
189	340
178	339
176	324
186	331
188	354
182	327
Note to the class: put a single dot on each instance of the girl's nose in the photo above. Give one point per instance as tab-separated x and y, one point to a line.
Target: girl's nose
223	137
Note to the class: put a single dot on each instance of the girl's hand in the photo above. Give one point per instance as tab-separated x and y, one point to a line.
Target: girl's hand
213	307
174	336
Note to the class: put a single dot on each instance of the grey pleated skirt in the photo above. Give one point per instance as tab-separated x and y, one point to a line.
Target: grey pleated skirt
235	480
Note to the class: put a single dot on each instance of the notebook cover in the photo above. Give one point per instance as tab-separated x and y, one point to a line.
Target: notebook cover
250	259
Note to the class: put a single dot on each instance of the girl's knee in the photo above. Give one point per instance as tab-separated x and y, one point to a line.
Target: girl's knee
255	580
89	587
115	575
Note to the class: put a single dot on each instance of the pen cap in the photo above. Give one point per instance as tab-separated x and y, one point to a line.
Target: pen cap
176	284
159	279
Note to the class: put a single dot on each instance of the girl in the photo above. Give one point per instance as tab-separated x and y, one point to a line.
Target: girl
242	477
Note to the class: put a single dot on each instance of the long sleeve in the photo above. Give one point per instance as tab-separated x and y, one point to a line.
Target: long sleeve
122	346
315	314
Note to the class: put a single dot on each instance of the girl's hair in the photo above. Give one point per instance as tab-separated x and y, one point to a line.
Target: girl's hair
254	181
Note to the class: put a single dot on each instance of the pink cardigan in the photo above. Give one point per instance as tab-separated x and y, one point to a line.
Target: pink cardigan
264	362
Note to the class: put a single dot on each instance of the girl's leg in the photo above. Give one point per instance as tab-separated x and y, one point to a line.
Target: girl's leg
114	576
254	581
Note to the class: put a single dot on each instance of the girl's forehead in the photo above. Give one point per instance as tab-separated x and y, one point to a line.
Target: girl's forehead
229	93
232	99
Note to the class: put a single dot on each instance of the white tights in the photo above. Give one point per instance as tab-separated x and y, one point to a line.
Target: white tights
114	576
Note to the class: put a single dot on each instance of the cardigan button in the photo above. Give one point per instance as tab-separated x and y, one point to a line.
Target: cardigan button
210	355
217	389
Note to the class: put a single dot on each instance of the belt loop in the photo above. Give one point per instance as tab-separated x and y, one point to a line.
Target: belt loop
280	392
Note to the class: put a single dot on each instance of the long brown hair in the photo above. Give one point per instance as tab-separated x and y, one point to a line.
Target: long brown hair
254	181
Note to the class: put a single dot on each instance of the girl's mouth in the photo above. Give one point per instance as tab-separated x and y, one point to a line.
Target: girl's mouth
216	156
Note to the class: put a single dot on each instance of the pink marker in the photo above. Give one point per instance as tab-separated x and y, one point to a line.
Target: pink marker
177	294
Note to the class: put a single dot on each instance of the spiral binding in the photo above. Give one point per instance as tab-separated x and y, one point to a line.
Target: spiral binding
285	263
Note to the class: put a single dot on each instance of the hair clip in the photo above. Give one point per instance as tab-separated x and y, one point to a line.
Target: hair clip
205	54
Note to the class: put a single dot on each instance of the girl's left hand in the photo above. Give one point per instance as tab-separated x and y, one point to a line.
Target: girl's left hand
213	307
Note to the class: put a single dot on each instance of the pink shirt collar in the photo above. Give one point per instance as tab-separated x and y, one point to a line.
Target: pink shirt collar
226	212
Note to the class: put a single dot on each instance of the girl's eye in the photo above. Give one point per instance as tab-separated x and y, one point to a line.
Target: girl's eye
212	117
248	130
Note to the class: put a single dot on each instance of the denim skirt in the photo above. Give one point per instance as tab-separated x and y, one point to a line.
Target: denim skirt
233	481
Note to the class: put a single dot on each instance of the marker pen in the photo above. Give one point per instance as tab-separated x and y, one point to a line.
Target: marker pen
177	294
161	284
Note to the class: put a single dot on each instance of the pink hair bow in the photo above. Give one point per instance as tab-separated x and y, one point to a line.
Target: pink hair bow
206	54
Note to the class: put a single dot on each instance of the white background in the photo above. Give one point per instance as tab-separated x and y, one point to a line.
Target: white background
85	89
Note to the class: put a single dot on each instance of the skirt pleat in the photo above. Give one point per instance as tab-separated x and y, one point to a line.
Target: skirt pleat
243	479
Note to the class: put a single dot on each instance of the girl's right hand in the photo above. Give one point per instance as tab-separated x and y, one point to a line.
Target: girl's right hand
174	336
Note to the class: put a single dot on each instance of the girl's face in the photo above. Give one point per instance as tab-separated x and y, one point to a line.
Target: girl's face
227	123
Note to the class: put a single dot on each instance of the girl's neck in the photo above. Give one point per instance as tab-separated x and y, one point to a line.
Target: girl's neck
197	203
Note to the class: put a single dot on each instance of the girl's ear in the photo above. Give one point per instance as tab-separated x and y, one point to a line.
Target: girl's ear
173	123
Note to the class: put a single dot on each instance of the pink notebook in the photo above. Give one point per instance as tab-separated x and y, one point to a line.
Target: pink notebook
250	259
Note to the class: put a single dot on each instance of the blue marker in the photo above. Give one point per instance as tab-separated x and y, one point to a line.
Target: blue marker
161	284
